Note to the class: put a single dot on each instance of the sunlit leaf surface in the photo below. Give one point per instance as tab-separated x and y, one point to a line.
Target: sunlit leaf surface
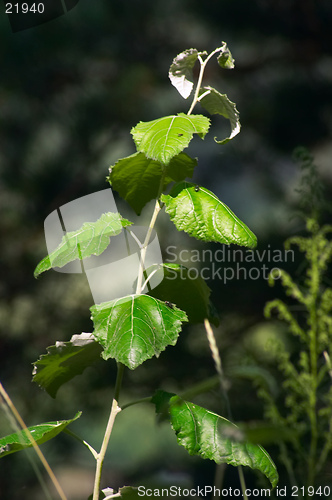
204	433
199	212
135	328
91	239
164	138
41	433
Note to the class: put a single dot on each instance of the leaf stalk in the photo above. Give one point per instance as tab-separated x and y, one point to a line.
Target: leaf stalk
200	77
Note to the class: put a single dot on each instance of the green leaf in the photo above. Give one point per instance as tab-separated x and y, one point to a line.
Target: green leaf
181	72
65	360
164	138
198	212
41	433
91	239
137	178
135	328
216	103
192	295
204	433
225	58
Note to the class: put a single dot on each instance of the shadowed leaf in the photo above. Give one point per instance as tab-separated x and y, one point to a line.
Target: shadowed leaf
216	103
190	295
137	178
65	360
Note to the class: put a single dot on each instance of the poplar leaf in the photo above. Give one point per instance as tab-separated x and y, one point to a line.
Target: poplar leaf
216	103
41	433
64	361
207	434
164	138
137	178
181	72
199	213
91	239
136	328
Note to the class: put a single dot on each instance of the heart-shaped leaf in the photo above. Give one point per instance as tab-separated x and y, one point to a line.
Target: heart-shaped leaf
204	433
137	178
216	103
91	239
41	433
164	138
136	328
191	294
65	360
181	72
198	212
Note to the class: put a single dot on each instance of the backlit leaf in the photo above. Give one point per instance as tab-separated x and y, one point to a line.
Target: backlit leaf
65	360
199	212
181	72
204	433
135	328
216	103
41	433
164	138
91	239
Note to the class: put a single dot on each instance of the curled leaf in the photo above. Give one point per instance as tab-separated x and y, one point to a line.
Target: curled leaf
181	72
216	103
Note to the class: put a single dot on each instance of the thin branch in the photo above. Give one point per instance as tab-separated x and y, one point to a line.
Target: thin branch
200	78
115	409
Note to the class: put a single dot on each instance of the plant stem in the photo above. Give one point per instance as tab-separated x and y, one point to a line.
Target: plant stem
200	78
75	436
156	211
136	402
115	409
157	208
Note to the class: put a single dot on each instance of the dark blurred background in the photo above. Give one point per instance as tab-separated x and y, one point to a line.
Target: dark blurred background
70	91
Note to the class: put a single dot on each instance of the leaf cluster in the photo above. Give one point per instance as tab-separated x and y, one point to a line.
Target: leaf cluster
136	327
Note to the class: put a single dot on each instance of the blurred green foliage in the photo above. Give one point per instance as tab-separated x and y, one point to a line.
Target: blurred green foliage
69	92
